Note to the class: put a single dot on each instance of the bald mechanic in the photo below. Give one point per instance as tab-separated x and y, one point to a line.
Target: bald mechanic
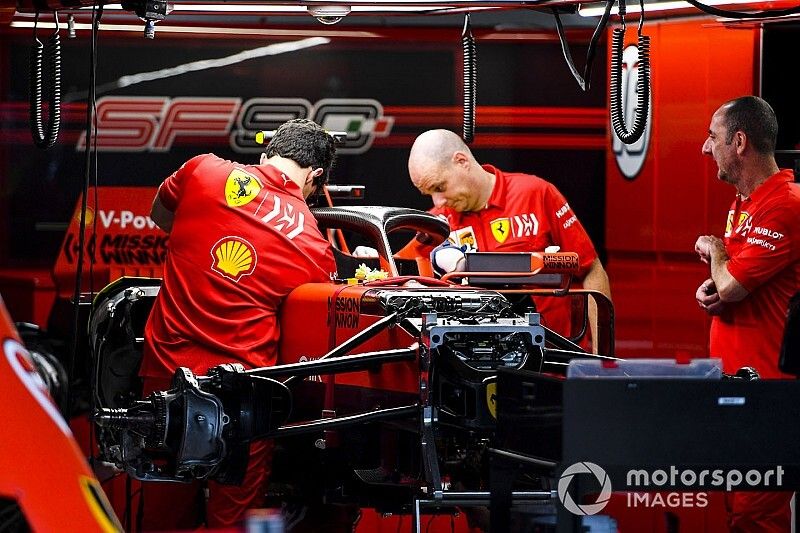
494	211
241	238
754	269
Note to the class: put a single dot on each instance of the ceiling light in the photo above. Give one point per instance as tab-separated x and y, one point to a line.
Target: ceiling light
654	7
265	32
244	7
330	14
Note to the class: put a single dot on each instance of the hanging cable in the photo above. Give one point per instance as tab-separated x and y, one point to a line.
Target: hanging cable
585	81
97	13
642	83
51	52
470	80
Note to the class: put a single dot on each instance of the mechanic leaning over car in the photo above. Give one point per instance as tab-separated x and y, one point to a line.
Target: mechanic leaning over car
241	238
490	210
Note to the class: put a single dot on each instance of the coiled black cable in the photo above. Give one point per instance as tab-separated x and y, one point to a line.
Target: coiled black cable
470	81
41	138
642	83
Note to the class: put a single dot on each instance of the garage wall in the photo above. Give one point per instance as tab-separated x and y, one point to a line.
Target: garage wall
654	217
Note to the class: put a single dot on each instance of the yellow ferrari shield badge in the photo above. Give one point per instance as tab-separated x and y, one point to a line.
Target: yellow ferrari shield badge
729	226
241	188
500	229
491	398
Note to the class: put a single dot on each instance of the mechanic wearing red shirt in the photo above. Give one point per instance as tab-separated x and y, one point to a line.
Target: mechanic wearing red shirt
755	269
491	210
241	238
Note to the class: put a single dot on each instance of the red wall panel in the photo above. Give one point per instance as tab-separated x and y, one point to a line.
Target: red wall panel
680	123
653	220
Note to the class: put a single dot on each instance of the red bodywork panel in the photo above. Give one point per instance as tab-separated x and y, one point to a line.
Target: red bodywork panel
316	317
127	242
39	454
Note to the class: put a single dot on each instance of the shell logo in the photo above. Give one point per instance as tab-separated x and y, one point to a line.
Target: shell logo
233	258
89	216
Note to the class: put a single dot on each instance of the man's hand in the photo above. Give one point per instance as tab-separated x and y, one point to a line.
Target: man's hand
708	298
712	251
705	246
365	251
447	258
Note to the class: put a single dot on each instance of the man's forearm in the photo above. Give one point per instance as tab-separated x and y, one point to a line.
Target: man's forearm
729	289
597	280
162	216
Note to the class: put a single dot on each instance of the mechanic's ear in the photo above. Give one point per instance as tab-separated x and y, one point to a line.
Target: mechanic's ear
311	179
460	158
740	140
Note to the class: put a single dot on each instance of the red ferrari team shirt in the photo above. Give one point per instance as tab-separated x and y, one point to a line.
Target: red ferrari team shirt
762	241
242	239
525	214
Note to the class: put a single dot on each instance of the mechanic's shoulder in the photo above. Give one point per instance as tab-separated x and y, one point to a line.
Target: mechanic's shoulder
785	199
208	156
792	192
192	164
522	180
203	159
781	208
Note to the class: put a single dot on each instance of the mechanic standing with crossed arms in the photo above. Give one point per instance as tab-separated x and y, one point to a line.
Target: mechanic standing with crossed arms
241	238
755	269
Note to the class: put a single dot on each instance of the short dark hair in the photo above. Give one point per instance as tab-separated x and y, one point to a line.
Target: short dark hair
756	118
307	144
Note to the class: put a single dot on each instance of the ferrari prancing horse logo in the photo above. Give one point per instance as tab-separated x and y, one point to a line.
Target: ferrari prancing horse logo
500	229
491	398
241	188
